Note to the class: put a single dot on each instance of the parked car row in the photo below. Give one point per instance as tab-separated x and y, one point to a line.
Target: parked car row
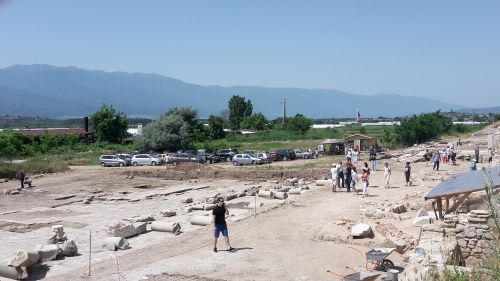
249	157
123	160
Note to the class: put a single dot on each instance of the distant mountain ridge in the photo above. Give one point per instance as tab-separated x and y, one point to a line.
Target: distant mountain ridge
486	110
50	91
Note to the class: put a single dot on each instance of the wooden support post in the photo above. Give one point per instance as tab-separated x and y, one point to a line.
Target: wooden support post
440	207
460	200
447	204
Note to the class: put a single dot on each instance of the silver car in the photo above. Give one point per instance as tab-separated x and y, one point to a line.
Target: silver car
146	159
112	160
245	159
264	156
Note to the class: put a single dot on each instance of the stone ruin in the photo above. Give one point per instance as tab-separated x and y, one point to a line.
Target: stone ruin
459	240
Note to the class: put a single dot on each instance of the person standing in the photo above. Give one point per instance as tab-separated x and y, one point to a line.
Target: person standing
340	175
387	175
349	156
364	181
453	156
436	161
355	156
367	171
373	157
490	155
348	174
219	214
354	178
473	166
333	171
21	176
408	174
476	153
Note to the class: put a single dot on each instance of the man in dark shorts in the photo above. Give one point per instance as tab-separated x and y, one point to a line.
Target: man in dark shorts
219	214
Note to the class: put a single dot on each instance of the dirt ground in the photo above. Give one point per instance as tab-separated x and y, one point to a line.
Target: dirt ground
293	239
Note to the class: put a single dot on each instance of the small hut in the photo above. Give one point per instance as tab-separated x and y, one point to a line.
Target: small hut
333	147
364	142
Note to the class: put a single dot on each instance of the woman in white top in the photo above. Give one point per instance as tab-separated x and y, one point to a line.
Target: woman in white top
387	174
333	171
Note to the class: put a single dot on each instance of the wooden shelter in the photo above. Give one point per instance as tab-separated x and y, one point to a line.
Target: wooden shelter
333	147
452	192
364	142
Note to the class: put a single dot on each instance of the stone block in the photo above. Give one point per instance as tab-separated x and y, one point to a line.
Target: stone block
140	227
398	209
168	213
470	232
361	230
68	248
421	221
144	218
24	258
121	230
47	252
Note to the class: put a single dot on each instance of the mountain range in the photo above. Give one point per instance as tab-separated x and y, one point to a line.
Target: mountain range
56	92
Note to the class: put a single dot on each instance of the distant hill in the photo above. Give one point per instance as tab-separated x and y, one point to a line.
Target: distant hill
49	91
486	110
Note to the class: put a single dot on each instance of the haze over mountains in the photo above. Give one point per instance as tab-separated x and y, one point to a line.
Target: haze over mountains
51	91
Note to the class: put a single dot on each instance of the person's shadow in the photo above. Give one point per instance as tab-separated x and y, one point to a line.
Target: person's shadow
239	249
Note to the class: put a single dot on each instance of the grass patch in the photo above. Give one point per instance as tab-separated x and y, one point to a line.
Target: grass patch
33	166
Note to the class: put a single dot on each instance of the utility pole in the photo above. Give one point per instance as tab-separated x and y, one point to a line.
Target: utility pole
284	112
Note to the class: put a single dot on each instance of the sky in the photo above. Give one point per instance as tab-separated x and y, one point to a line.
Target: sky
445	50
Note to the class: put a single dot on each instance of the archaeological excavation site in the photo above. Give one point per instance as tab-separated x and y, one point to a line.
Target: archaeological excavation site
284	221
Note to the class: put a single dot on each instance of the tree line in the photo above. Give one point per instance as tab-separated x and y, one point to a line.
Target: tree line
179	128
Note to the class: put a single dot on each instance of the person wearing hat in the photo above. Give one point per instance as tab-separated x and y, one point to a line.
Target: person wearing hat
333	171
473	166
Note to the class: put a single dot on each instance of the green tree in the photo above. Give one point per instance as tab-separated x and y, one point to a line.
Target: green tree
169	132
238	109
109	125
256	121
299	124
421	128
216	127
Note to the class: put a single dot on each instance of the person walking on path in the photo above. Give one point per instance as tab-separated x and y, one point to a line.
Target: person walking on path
348	174
373	157
340	175
333	171
476	153
408	174
21	176
387	174
490	155
219	214
436	161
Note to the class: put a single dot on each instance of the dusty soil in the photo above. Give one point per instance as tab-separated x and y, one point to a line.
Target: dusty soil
293	239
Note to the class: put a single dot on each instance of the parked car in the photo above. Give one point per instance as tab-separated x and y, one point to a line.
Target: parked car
127	157
226	153
302	154
274	155
266	157
112	160
246	159
146	159
183	157
286	154
250	152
